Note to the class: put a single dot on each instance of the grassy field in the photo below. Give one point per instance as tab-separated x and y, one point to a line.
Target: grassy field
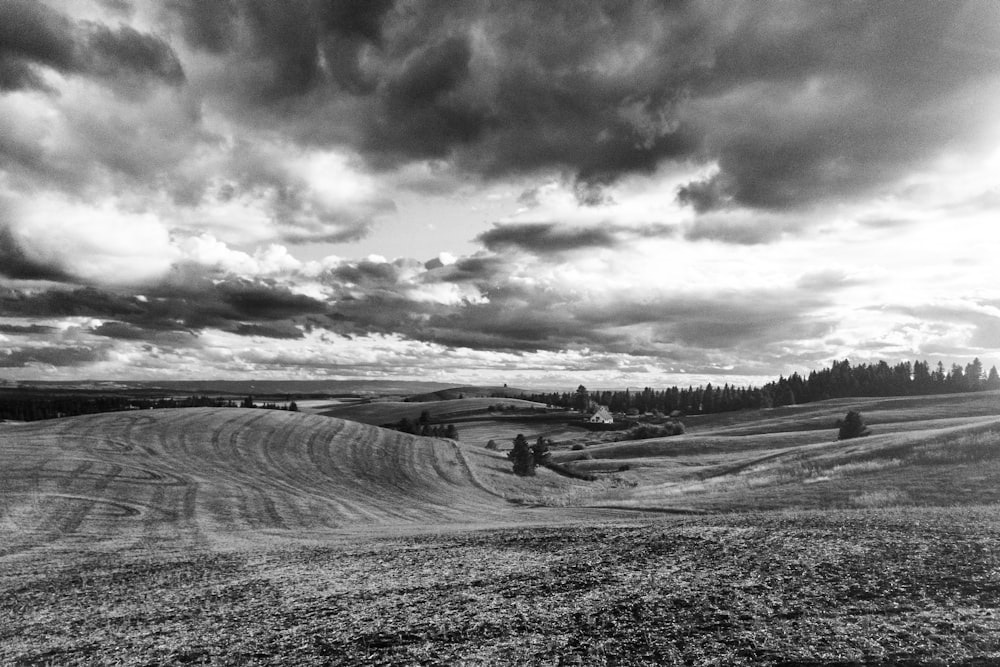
233	536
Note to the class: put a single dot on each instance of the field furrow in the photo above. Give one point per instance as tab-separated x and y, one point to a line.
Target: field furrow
224	471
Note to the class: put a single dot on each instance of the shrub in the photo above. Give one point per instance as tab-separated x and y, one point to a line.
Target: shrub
853	426
540	450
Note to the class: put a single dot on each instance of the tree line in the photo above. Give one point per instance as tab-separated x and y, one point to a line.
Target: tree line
841	380
32	406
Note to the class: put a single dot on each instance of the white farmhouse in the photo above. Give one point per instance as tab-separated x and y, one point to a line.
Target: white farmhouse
602	416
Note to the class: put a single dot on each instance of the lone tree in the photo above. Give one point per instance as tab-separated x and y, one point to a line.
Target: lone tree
852	426
523	457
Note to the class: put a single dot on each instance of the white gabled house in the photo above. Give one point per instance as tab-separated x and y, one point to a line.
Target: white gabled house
602	416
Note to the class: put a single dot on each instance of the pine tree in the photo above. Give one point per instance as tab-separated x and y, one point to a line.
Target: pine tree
853	426
522	457
993	381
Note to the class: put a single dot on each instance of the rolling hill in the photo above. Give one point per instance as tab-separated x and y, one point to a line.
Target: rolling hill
452	393
377	413
203	474
239	536
924	451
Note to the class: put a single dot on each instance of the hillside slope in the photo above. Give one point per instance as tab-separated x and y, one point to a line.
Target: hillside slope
925	451
207	473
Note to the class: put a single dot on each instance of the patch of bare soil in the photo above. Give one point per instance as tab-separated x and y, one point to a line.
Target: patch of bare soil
917	586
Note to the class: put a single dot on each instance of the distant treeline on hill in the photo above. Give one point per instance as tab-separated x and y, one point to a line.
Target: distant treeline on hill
842	380
32	405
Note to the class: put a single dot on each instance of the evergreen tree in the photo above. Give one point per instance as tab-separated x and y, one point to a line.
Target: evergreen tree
974	375
853	426
993	381
522	457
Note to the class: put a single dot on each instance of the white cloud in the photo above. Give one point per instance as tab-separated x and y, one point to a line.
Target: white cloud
98	243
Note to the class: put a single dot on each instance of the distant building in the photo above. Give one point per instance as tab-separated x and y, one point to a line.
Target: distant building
602	416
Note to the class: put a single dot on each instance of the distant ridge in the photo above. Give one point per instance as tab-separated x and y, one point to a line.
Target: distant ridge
451	393
242	387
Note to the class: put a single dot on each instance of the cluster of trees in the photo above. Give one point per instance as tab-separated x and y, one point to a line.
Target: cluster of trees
527	457
291	406
422	427
841	380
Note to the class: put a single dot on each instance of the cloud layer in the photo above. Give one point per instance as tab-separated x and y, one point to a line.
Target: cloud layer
740	188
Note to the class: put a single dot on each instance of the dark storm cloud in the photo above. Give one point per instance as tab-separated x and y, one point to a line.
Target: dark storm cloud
34	36
125	331
14	263
286	49
27	330
254	301
371	275
236	306
480	269
547	237
83	302
54	356
797	103
837	100
126	52
278	330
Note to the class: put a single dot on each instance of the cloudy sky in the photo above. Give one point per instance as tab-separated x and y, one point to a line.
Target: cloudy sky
538	193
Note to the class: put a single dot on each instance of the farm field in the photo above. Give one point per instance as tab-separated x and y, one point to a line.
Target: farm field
380	412
238	536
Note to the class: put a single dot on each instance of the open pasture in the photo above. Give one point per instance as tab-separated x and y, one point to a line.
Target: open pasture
232	536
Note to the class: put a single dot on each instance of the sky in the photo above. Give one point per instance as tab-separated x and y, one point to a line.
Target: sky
535	193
